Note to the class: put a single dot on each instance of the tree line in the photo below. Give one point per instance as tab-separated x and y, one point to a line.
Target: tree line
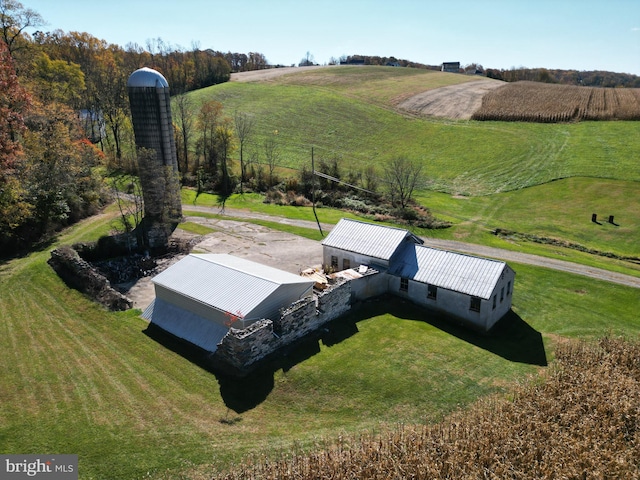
380	61
594	78
65	121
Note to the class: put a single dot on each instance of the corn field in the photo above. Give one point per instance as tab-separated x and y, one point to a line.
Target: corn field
581	420
550	103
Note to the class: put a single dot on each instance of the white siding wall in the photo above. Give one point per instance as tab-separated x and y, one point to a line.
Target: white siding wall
458	304
191	305
504	291
369	286
355	259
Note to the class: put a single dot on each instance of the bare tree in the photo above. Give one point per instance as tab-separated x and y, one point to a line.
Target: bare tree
272	155
244	128
402	175
185	119
370	178
307	61
14	19
130	204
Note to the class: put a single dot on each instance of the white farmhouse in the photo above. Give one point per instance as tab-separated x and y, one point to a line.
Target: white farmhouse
475	290
200	297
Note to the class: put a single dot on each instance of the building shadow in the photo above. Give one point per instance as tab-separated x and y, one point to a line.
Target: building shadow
240	393
512	339
243	391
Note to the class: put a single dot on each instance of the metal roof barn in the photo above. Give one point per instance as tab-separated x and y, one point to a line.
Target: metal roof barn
454	271
201	296
376	241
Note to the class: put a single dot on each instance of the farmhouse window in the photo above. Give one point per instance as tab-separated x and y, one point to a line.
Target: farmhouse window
404	284
494	302
334	262
501	294
346	263
432	292
475	304
508	288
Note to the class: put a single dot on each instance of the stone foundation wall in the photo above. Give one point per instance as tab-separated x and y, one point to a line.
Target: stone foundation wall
243	348
81	275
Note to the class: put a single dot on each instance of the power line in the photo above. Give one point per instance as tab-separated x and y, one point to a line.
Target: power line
337	180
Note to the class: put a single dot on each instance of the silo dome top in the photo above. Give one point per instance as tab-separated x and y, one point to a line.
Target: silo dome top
147	77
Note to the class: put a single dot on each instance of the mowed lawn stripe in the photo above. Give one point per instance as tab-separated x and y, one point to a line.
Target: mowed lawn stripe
116	381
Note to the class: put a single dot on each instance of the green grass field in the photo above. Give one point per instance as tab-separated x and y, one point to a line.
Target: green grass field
78	379
542	179
338	113
560	210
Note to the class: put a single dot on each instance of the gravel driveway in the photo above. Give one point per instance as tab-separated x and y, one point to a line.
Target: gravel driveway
293	253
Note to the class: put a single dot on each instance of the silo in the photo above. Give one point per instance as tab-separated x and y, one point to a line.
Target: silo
156	152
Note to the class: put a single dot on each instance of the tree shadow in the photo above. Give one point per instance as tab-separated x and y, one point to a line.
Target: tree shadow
11	253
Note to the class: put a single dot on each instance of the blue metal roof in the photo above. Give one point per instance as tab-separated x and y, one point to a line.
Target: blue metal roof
377	241
454	271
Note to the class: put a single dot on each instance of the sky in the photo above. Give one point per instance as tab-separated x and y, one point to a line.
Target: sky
503	34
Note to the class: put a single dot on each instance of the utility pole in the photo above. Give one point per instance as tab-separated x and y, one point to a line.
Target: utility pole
313	192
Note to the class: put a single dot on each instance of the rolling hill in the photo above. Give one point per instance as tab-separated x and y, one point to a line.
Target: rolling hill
79	379
352	115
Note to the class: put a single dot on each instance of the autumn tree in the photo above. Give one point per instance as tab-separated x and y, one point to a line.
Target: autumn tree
225	146
271	154
209	118
14	103
62	180
184	113
57	81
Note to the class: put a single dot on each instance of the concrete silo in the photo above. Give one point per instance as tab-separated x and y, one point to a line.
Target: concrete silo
156	152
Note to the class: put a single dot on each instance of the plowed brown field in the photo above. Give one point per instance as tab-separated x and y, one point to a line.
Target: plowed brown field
455	101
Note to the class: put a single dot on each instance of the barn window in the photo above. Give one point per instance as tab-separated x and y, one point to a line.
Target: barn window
346	263
432	292
494	302
334	262
508	288
501	294
404	284
475	304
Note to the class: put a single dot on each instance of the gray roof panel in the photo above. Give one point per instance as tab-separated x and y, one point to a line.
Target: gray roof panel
227	283
467	274
377	241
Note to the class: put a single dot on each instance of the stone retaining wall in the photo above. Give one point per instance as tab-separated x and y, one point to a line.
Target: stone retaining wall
81	275
243	348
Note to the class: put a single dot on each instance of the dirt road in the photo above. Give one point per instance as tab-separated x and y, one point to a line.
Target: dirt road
473	249
293	253
262	75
